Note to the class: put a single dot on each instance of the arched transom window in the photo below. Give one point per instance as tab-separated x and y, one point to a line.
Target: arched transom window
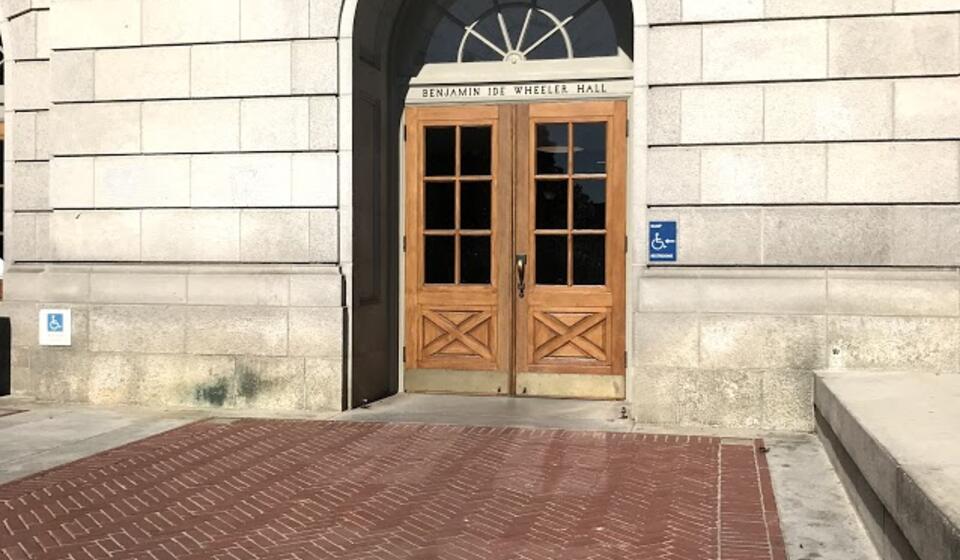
516	31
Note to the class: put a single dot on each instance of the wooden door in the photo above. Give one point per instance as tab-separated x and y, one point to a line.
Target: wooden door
571	228
515	249
459	171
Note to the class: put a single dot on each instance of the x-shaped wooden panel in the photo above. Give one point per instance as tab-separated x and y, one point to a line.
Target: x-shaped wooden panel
458	332
570	335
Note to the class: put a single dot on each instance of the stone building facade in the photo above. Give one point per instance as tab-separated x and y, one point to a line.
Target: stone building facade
193	179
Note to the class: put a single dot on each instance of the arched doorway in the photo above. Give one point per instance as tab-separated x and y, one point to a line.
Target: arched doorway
3	136
406	53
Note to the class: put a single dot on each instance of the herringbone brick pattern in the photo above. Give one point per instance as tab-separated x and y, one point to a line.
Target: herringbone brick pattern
301	490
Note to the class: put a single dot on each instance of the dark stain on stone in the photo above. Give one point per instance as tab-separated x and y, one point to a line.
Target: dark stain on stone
249	382
215	393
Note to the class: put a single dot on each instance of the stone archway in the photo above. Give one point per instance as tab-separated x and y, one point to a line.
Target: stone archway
369	133
348	15
5	380
4	125
12	47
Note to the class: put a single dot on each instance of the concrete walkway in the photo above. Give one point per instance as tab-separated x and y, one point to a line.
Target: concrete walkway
35	436
48	436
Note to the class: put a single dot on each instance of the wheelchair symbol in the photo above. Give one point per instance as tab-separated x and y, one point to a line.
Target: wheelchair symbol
658	244
55	322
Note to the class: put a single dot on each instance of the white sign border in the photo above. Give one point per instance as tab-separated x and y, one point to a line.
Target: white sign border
48	338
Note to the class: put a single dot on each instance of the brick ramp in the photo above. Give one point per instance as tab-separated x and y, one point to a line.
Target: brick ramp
288	490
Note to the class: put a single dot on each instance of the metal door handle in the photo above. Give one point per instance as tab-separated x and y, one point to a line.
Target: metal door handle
521	275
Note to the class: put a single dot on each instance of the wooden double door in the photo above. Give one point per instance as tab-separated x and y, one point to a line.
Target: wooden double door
515	244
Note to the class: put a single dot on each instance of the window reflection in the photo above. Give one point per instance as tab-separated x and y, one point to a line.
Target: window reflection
441	151
552	204
439	206
590	153
590	204
475	260
551	260
439	257
553	149
475	205
589	260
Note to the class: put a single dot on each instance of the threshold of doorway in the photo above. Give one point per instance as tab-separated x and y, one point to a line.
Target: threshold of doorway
527	412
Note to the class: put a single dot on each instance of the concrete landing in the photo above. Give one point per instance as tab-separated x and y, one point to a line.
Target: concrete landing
896	441
604	416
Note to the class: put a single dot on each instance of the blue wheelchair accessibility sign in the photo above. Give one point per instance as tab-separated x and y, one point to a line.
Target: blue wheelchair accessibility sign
55	328
55	322
663	241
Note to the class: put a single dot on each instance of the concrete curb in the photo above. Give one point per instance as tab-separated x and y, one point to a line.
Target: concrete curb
885	482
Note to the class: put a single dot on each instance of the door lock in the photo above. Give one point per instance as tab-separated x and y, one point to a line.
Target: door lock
521	275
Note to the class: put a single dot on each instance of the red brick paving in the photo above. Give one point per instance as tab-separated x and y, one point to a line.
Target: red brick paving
303	490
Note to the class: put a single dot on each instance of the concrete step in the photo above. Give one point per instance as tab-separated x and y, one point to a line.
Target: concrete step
895	440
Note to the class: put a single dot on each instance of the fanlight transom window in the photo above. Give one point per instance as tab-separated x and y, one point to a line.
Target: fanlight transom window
515	31
526	44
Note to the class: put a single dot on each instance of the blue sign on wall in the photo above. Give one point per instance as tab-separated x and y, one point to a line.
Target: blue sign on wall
663	241
55	322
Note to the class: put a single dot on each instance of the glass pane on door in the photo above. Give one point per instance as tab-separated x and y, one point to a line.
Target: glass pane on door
590	148
553	149
441	145
551	260
439	206
476	149
439	256
475	259
475	205
589	260
590	204
551	207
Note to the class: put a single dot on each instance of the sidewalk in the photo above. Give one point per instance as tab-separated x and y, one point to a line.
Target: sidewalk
37	436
